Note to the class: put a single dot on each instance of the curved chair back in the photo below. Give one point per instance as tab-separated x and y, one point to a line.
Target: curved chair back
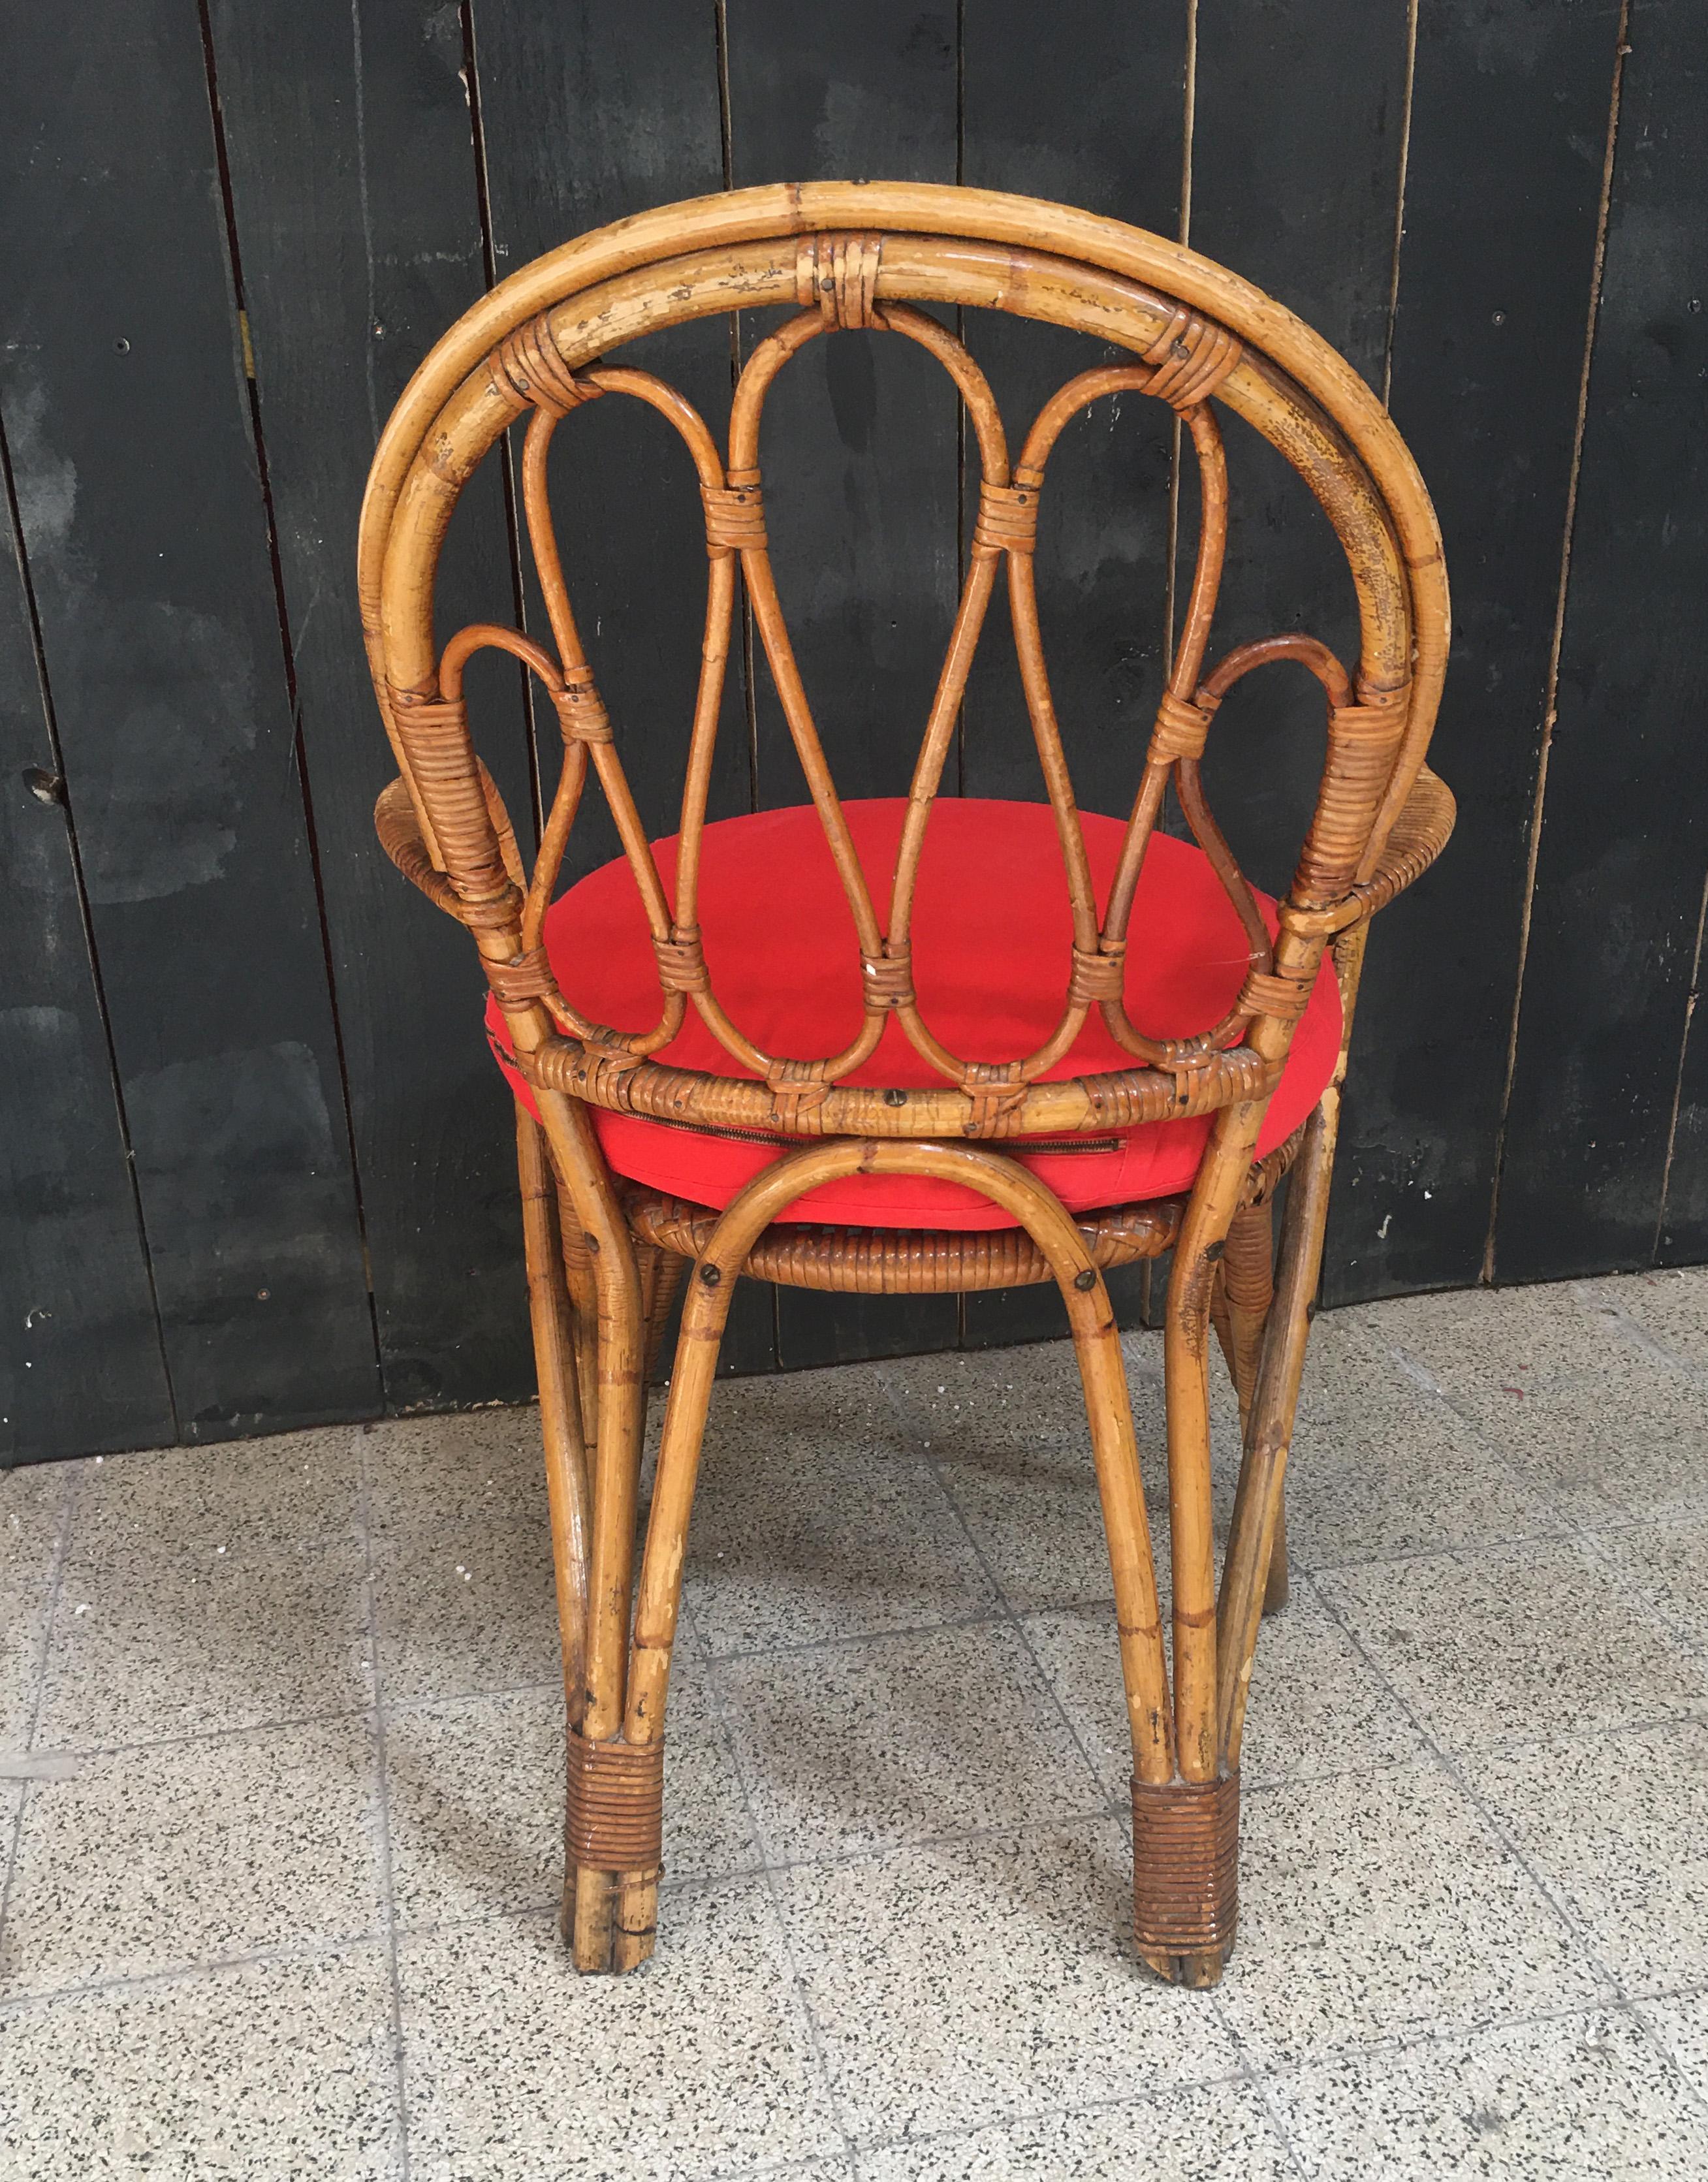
872	259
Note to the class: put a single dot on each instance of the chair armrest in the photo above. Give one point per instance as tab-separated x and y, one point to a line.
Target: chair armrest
1420	834
399	836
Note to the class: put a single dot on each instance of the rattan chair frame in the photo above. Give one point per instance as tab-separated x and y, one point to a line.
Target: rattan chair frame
605	1258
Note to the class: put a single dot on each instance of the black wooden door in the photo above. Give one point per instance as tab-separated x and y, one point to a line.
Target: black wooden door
258	1167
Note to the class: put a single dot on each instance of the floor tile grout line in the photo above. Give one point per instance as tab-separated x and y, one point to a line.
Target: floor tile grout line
1258	2084
256	1730
1570	1532
694	1882
402	1707
773	1889
1644	1609
1430	1390
1496	1541
1441	1399
1555	1898
1518	1745
1431	1751
1099	1813
326	1948
1029	2116
1040	1829
1636	1337
751	1652
1695	2091
382	1806
1439	2034
1543	1490
311	1948
1681	1633
1251	2073
1652	1343
778	2170
44	1652
1011	1613
1572	1529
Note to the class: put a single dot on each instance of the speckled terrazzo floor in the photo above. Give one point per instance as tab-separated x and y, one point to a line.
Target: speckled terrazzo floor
280	1752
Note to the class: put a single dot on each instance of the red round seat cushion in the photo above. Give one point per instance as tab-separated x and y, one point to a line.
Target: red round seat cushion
991	935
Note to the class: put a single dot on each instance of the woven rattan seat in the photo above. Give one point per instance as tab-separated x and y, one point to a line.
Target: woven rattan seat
876	1087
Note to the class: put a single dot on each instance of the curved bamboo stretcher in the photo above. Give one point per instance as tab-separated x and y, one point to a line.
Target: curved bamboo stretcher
605	1257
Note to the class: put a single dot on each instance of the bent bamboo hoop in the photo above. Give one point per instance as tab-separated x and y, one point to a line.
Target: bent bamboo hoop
606	1259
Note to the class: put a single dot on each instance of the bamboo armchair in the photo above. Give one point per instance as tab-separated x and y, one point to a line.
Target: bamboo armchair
606	1250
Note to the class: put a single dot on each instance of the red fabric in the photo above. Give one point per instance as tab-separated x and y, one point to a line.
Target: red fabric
991	940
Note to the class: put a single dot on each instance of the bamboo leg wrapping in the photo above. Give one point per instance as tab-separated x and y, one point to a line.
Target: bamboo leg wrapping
616	1807
613	1826
1185	1874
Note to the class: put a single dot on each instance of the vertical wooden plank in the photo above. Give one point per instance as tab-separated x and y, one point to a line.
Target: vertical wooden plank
1093	115
862	473
1624	838
80	1367
1298	124
1509	110
125	401
859	444
589	114
1297	131
353	195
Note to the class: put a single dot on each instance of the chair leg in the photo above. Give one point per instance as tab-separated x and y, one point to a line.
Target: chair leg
1185	1830
1247	1271
584	1300
660	1293
1277	1587
560	1412
1248	1280
611	1829
658	1601
1248	1571
1165	1810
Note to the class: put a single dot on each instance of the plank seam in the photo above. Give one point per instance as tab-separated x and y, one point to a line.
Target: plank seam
507	466
1690	1000
50	725
1399	197
228	212
1620	47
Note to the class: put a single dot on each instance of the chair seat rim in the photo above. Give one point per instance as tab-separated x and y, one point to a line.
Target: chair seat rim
930	1261
1076	1106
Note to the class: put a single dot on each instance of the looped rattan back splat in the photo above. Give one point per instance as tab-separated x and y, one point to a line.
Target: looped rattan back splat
839	283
